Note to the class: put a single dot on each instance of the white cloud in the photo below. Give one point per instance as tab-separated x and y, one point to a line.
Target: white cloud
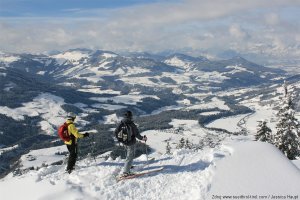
236	31
272	19
189	10
185	25
297	37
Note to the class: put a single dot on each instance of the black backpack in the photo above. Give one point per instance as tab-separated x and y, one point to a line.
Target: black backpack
125	135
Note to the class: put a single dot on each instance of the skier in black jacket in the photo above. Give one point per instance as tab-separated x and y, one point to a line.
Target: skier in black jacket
127	120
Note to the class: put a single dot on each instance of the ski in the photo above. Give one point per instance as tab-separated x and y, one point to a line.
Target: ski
141	166
142	173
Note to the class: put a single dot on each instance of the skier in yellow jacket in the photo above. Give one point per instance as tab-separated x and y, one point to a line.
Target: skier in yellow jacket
72	144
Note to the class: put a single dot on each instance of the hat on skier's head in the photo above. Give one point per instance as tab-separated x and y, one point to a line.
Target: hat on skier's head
71	116
128	114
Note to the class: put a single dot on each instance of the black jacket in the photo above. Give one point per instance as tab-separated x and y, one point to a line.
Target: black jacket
135	131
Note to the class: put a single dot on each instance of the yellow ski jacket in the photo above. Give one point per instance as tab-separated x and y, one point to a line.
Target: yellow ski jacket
73	131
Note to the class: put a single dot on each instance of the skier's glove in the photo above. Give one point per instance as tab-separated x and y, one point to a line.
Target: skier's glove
86	135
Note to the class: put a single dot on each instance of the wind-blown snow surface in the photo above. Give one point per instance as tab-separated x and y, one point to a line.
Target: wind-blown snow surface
246	168
256	169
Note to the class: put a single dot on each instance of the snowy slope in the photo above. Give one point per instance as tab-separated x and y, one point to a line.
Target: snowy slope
46	105
256	168
187	129
40	157
223	123
243	168
189	171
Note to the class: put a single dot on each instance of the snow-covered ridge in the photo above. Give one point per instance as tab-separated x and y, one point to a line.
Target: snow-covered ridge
175	61
8	58
95	66
235	169
46	105
96	180
72	56
109	55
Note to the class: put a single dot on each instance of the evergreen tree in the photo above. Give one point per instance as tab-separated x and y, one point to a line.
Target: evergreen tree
285	88
188	145
264	133
168	148
201	144
287	135
181	143
210	142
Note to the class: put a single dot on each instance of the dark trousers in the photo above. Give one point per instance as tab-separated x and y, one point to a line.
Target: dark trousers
73	156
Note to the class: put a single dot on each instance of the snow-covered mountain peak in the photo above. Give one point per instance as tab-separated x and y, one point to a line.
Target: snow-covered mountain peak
7	58
175	61
109	55
184	61
237	69
72	56
187	58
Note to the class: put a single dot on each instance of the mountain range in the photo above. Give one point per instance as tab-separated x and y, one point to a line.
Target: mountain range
38	90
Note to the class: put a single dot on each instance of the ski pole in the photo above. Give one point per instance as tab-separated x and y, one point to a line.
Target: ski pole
147	164
93	149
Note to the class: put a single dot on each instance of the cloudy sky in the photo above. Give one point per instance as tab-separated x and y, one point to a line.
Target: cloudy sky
265	27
